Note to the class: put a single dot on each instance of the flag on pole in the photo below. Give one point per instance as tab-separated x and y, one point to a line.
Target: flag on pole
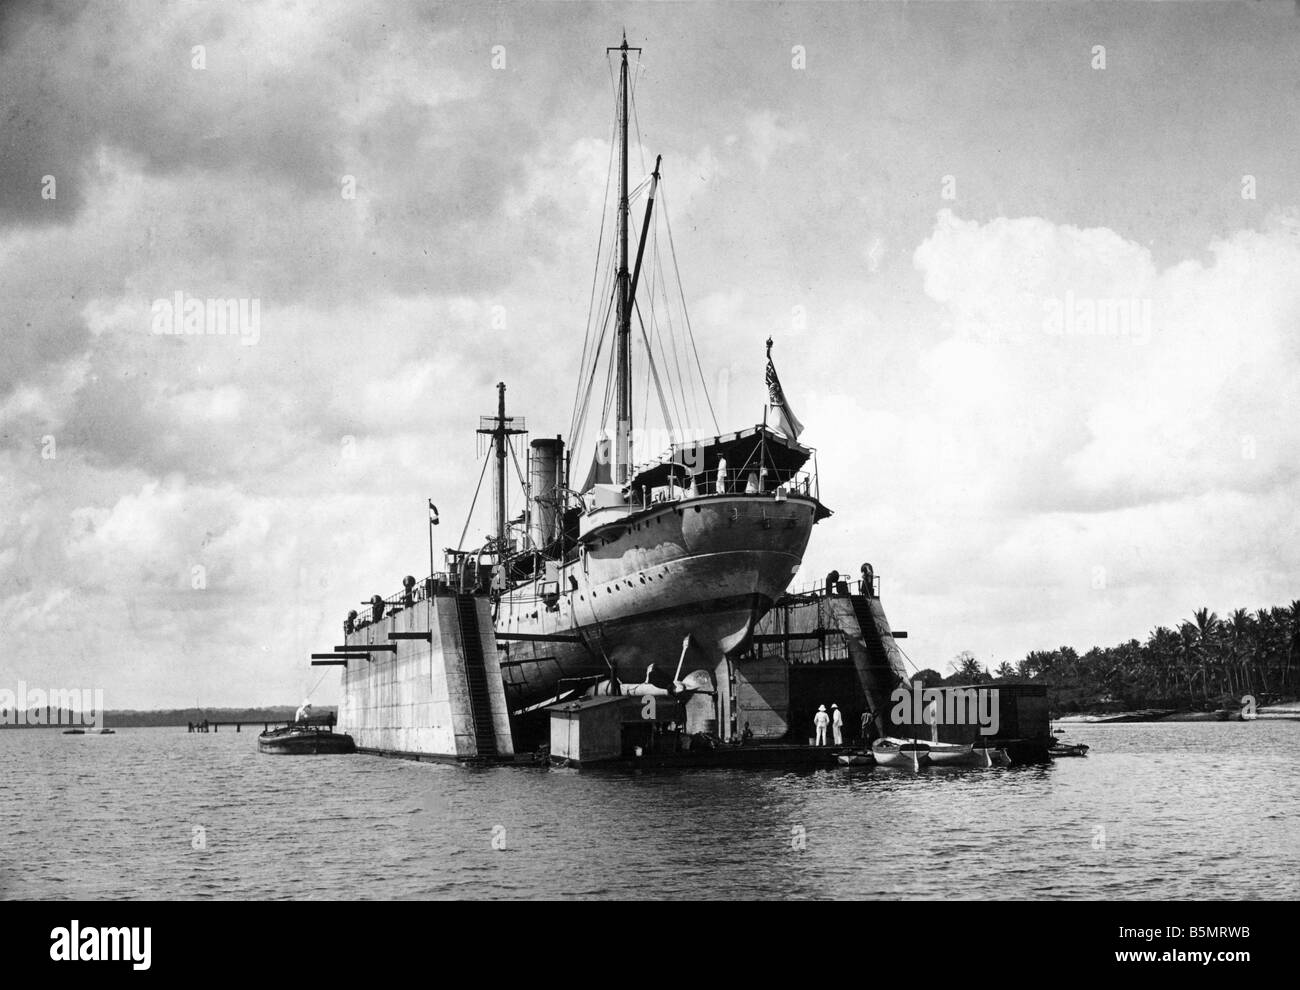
433	513
787	422
601	471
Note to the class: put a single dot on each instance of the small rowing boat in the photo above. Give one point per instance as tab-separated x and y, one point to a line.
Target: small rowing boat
1068	749
966	755
905	753
855	759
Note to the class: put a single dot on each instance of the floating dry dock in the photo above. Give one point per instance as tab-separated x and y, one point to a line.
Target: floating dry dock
423	680
662	579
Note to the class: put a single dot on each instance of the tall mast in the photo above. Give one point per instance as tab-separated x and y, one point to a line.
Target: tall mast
623	394
499	428
499	436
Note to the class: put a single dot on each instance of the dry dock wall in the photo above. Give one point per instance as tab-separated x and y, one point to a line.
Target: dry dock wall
416	700
825	647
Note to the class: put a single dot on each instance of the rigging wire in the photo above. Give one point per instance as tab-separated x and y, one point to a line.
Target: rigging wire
677	270
317	684
640	145
672	337
652	286
595	275
673	368
470	515
522	484
654	371
576	429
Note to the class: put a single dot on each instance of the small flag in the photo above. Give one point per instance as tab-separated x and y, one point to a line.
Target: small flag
786	419
600	472
433	513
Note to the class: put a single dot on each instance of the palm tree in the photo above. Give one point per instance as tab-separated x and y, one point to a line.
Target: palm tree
1207	624
1005	670
1162	653
1279	643
967	668
1240	626
1187	655
1260	649
1293	640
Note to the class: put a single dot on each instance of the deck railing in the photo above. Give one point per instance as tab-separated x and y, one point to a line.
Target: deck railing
702	484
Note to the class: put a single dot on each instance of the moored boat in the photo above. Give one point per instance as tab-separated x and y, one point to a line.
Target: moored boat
304	740
905	753
855	759
1068	749
966	755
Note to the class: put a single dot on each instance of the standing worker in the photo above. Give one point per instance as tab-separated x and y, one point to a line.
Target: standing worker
820	721
868	726
837	725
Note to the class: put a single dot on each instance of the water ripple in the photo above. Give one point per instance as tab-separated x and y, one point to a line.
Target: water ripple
1178	811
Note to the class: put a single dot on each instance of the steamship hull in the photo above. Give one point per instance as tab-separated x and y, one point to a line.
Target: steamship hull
706	568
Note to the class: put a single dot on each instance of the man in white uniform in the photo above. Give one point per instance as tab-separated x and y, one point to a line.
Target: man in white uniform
837	725
820	721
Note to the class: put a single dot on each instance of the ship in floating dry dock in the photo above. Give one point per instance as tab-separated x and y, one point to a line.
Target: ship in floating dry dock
644	578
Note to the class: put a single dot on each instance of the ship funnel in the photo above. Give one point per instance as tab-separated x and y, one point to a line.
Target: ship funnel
546	478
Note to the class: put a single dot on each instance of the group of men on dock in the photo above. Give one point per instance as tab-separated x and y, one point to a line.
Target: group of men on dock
834	720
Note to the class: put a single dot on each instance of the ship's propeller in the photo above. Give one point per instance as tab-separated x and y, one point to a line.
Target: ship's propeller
696	682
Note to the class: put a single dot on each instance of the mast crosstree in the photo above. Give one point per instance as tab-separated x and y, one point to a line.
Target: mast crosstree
499	427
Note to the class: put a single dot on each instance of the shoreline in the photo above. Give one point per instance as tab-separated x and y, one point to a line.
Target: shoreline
1288	710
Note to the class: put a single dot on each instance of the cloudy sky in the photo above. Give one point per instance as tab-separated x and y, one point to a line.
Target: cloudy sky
1031	270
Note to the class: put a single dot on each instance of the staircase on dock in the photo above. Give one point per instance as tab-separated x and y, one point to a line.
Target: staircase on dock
476	676
870	633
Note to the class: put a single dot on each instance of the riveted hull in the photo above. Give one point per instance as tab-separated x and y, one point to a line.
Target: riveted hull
708	568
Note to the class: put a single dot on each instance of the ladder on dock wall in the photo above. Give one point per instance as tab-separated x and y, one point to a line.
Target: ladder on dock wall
871	634
480	702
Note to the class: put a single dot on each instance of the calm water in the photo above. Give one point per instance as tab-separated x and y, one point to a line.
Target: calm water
1188	811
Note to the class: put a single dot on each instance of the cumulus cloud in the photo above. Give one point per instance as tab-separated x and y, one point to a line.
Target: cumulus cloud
1141	383
1098	472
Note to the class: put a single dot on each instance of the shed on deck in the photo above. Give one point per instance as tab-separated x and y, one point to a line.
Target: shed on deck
609	728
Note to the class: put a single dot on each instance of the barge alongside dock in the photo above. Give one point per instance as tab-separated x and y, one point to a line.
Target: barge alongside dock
304	740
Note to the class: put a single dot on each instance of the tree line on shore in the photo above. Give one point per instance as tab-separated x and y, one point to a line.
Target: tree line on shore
1206	663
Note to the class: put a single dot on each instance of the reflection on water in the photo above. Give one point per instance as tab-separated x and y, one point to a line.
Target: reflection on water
1205	811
